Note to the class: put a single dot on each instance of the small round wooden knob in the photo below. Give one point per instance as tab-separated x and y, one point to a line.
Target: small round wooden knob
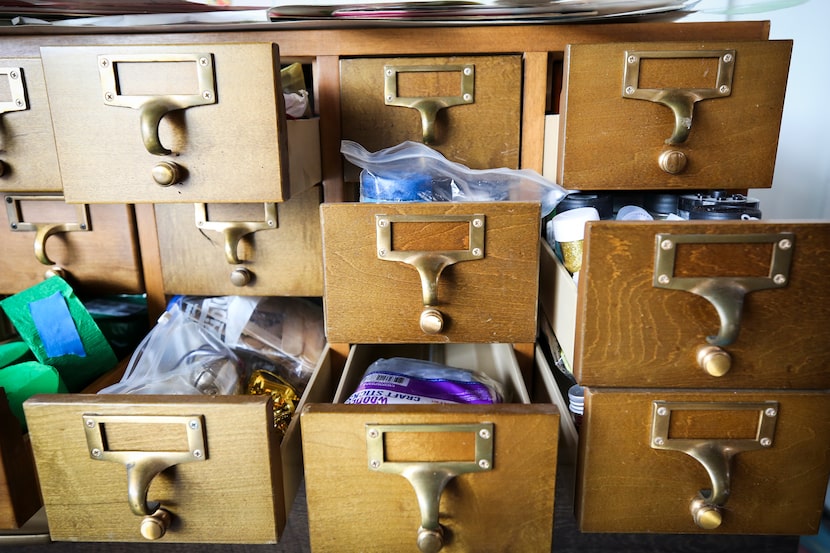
672	161
714	360
432	321
241	276
154	526
166	173
430	541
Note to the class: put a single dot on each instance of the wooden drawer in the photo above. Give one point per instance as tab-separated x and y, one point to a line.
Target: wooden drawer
172	123
221	466
637	472
93	246
19	494
617	131
278	253
374	254
468	108
494	501
621	326
28	161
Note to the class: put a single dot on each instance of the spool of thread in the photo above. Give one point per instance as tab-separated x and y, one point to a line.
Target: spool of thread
576	403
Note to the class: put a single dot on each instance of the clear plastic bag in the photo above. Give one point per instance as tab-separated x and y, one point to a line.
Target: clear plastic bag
412	171
179	356
404	380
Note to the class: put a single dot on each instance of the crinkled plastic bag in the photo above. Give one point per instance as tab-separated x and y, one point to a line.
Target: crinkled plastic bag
404	380
179	356
412	171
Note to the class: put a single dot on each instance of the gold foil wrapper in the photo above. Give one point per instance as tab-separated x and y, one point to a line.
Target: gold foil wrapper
572	255
285	397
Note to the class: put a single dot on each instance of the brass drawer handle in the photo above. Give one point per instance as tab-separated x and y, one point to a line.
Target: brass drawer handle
714	454
429	478
153	107
680	100
44	230
726	294
430	264
143	466
17	90
428	107
233	231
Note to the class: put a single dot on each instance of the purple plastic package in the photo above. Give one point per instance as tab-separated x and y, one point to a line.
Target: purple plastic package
401	380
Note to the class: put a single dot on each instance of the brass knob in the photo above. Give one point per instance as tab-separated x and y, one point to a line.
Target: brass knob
672	161
155	526
714	360
432	321
166	173
706	516
55	271
430	541
241	276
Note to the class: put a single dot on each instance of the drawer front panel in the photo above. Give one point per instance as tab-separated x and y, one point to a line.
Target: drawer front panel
481	133
101	258
372	507
211	497
672	115
777	478
374	295
29	161
767	278
206	117
282	255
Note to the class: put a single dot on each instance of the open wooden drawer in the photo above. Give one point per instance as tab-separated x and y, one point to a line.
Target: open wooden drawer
482	476
694	305
173	468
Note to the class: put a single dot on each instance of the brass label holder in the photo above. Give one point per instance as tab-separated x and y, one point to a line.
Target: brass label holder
233	231
17	90
726	294
430	264
153	107
680	100
428	107
44	230
714	454
143	466
429	479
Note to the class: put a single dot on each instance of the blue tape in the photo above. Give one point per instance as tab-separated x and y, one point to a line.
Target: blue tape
56	327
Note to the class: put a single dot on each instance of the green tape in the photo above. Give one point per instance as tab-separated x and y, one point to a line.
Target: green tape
24	380
77	372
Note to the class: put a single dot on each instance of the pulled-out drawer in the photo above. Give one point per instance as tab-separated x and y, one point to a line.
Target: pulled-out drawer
173	123
393	478
468	108
677	115
431	272
94	247
174	468
28	160
271	249
746	462
694	305
19	494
